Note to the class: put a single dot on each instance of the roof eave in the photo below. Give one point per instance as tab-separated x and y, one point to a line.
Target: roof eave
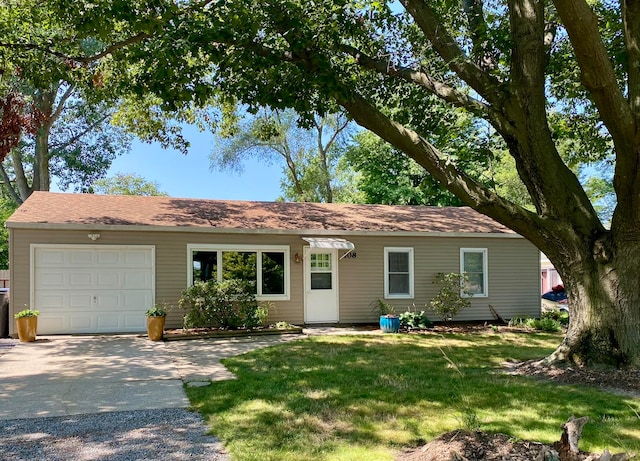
218	230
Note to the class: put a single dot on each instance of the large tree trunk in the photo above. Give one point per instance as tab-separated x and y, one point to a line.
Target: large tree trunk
604	304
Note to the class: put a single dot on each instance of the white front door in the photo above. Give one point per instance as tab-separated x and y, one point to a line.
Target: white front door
321	285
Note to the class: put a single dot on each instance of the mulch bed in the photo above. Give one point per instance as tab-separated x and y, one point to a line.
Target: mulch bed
479	446
203	333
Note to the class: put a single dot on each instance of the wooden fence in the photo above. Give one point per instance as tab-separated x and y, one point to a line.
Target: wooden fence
4	278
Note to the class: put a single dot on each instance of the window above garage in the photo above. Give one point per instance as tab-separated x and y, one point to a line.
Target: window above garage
265	266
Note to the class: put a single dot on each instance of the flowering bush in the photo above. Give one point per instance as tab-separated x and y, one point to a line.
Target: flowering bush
229	304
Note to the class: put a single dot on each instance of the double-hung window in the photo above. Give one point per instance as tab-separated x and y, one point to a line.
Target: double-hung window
398	272
473	264
266	267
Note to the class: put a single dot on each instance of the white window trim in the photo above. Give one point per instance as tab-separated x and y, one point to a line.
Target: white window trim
388	250
256	248
485	271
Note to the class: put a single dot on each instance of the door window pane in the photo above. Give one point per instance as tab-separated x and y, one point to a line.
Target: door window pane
320	262
321	275
321	281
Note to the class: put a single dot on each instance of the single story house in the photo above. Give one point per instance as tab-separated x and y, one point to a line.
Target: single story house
96	263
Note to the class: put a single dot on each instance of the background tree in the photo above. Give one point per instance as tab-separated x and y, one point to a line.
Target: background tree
126	184
7	207
58	117
310	154
74	143
387	176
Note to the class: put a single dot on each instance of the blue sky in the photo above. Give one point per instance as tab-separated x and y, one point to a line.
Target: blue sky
189	176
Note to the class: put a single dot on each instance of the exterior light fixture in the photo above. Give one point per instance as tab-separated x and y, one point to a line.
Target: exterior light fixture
93	237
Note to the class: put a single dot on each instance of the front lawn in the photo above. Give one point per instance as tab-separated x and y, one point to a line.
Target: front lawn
366	397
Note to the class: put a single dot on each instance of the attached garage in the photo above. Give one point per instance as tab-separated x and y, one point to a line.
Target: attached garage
91	288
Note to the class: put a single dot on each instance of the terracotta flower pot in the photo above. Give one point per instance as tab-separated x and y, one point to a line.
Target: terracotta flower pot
27	328
155	328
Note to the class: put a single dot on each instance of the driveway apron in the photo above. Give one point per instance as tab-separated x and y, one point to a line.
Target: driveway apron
61	376
75	375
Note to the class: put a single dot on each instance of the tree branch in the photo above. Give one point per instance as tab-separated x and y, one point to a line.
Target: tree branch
597	72
445	45
631	24
443	91
61	104
467	189
482	47
111	48
77	136
433	86
7	182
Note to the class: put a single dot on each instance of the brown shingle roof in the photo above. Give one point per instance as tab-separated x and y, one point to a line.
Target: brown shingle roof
103	210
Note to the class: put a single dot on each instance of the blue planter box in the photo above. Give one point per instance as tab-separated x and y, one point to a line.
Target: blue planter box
389	324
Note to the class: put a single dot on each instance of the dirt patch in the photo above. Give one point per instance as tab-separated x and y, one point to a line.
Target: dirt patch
478	446
617	381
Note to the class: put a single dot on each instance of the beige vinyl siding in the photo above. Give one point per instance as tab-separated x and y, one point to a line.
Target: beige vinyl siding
513	266
513	276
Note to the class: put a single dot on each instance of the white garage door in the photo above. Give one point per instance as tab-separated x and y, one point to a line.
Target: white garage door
92	289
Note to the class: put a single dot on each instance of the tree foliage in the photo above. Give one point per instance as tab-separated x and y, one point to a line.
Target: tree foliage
126	184
7	207
310	155
387	176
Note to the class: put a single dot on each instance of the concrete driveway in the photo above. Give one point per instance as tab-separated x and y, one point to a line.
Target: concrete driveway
75	375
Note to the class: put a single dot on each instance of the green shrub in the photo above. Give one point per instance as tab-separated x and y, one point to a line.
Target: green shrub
229	304
559	316
518	322
262	312
546	323
381	308
26	313
414	320
449	301
156	311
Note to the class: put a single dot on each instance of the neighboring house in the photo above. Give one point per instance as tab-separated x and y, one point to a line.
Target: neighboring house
549	275
95	263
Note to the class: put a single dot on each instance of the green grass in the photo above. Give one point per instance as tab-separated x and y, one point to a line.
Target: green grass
365	398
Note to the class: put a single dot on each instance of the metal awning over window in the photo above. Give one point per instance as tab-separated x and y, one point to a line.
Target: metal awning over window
329	242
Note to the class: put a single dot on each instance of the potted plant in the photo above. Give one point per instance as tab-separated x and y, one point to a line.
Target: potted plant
27	325
389	321
155	322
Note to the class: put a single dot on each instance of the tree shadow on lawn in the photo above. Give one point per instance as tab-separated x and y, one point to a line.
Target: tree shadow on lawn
330	397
